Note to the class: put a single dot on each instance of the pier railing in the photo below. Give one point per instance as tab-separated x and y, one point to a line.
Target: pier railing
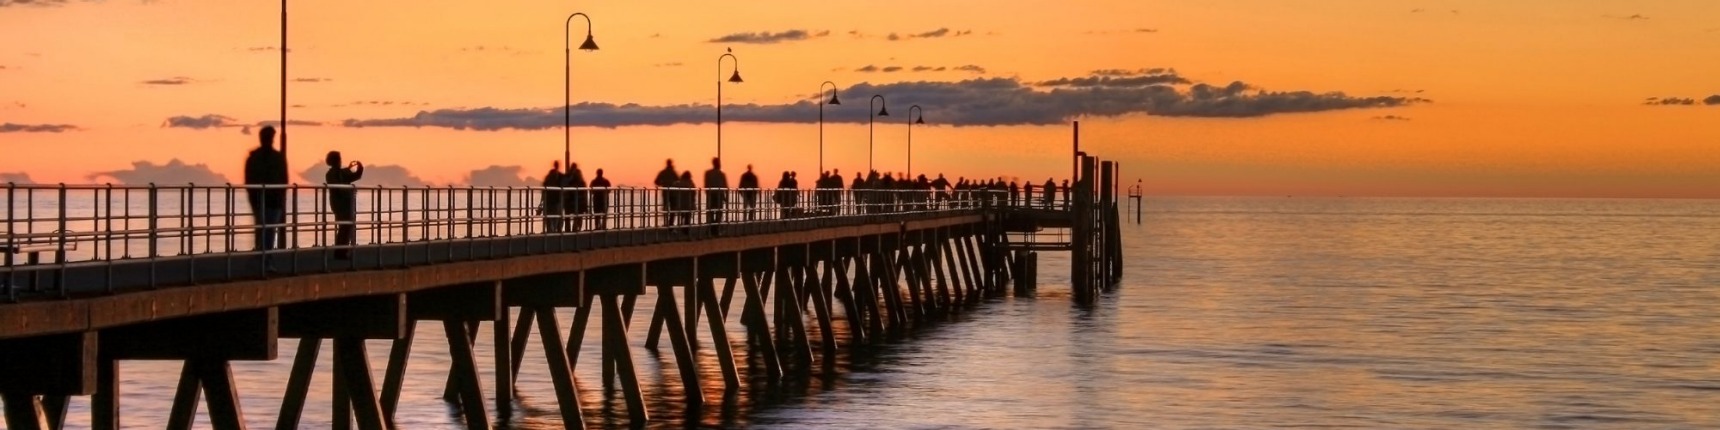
52	227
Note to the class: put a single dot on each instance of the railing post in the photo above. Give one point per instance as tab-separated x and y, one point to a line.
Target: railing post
11	242
60	248
107	238
153	233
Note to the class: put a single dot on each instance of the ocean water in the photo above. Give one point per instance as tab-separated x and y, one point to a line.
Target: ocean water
1233	313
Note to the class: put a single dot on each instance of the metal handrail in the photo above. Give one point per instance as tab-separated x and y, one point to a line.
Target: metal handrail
109	224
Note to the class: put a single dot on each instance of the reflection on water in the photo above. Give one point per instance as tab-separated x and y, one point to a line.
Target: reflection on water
1236	313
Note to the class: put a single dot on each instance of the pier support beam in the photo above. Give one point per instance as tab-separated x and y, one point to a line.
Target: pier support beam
609	285
711	267
60	364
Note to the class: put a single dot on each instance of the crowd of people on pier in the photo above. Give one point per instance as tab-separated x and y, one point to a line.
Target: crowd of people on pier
570	203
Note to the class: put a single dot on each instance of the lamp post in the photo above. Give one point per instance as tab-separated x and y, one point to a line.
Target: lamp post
736	78
913	119
283	123
821	104
871	117
567	88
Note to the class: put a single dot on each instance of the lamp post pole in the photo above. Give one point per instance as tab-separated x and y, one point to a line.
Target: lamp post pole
913	119
567	83
821	103
736	78
872	117
283	123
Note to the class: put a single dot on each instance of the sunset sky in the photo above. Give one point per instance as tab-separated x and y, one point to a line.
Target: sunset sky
1438	97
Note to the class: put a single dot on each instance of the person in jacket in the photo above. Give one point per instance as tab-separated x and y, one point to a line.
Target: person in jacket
343	201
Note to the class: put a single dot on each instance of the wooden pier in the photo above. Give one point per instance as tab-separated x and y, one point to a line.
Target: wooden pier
879	273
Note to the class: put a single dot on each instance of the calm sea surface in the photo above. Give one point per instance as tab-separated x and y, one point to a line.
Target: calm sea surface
1234	313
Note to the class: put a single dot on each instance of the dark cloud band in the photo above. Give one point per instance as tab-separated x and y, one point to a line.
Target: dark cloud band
766	37
37	128
973	102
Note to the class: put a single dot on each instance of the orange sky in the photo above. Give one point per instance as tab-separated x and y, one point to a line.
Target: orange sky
1528	98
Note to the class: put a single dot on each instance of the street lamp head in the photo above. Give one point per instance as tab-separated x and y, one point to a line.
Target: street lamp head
834	100
736	77
589	45
920	120
883	111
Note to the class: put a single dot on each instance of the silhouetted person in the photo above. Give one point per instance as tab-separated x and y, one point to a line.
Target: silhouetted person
1014	193
922	192
266	166
574	198
1027	193
551	206
749	193
787	194
941	186
686	196
888	193
343	201
716	192
1067	193
665	180
854	192
1050	193
600	200
832	194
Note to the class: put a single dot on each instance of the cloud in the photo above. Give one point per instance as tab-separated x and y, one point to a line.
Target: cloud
669	64
892	69
1713	100
174	172
933	34
15	178
971	68
1670	101
381	103
504	49
1119	78
246	129
1391	118
1146	30
267	49
209	121
5	3
941	32
766	37
500	176
176	80
1632	17
972	102
379	175
37	128
313	80
199	122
